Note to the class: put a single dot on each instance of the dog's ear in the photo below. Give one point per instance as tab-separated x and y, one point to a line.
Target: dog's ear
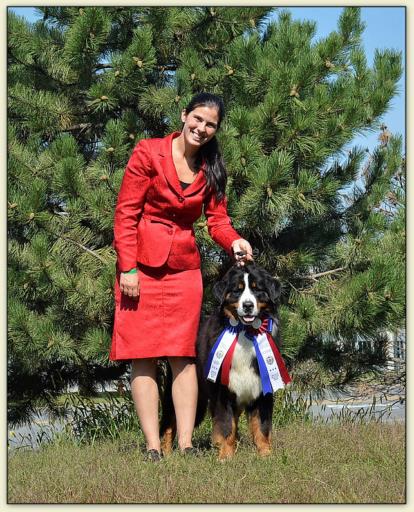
219	289
274	288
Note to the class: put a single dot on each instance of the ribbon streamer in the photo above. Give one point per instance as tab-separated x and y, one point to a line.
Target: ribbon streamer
272	369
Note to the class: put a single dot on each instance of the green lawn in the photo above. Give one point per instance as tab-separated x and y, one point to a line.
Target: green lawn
311	463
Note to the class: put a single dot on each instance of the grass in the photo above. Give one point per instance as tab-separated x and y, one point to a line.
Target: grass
311	463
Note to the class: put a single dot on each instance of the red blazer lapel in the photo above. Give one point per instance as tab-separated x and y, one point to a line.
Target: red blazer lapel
197	185
170	172
168	163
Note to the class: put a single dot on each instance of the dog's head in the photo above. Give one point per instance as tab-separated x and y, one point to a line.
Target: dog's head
247	292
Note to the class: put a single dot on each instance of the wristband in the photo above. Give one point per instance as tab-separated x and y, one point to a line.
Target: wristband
132	271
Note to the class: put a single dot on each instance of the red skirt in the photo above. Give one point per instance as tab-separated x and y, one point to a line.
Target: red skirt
164	320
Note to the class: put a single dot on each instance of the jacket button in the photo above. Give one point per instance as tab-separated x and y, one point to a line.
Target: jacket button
170	231
181	199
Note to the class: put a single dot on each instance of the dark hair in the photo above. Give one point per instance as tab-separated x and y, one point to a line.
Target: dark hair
215	171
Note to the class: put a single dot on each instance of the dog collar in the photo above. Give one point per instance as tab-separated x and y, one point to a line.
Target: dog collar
256	323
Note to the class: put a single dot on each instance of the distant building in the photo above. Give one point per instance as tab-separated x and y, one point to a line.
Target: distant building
396	350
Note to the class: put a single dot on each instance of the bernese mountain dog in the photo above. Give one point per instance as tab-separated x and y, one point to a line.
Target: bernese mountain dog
239	366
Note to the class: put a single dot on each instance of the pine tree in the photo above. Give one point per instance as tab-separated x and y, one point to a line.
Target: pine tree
86	84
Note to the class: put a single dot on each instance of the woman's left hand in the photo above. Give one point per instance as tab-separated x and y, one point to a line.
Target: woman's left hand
243	246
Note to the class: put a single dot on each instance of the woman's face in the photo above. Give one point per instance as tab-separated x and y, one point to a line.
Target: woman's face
200	125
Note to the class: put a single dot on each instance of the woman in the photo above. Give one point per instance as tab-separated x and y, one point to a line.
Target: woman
158	291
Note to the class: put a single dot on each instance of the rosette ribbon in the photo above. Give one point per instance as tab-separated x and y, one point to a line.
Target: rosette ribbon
272	369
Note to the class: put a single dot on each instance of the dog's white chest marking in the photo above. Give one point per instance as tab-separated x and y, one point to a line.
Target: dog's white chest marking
243	380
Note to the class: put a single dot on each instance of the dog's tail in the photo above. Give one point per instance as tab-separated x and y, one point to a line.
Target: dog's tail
201	409
202	401
168	426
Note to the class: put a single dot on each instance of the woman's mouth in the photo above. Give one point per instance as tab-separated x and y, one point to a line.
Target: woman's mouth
196	137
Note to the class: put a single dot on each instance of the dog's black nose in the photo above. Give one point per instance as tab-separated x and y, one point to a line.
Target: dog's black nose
248	306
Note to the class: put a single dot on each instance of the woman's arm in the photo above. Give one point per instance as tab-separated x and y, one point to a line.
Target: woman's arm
221	230
129	206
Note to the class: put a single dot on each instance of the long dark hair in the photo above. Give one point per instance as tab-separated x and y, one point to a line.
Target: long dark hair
210	154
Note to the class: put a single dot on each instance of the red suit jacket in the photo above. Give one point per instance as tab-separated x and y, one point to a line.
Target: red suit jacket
154	215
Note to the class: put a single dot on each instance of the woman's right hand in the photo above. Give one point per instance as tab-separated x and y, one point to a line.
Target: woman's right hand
129	284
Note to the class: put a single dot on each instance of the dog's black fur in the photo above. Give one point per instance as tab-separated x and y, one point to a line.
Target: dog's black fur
224	403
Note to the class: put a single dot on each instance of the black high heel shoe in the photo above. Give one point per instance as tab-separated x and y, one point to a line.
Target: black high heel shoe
153	455
190	450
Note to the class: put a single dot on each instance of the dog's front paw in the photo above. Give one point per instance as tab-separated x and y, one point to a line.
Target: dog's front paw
226	452
264	450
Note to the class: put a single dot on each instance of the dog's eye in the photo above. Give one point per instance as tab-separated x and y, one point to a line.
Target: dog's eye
234	294
241	286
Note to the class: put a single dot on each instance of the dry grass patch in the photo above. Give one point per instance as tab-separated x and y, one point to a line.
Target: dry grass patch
310	464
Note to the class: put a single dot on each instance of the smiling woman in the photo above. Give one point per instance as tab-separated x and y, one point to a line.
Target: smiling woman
197	145
158	262
200	126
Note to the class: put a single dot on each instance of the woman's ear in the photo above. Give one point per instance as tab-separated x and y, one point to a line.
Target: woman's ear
183	115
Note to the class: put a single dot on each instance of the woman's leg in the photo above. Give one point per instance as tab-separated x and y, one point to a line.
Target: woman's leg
184	393
145	395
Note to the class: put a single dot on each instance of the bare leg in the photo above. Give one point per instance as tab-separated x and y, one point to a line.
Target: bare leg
145	395
184	393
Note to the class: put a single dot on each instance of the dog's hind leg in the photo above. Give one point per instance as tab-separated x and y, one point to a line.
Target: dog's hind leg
168	427
260	423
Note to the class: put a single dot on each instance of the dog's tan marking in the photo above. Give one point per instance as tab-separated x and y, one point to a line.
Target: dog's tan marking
226	445
262	442
230	311
167	440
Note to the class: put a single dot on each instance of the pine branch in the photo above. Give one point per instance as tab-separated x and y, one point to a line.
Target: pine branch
90	251
82	127
43	72
168	67
289	283
320	274
78	244
161	67
103	66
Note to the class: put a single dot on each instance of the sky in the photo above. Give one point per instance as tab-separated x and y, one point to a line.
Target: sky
384	28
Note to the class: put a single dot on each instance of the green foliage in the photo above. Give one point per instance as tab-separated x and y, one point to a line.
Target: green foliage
85	84
92	421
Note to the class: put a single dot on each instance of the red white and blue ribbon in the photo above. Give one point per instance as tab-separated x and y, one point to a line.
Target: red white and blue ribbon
272	369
